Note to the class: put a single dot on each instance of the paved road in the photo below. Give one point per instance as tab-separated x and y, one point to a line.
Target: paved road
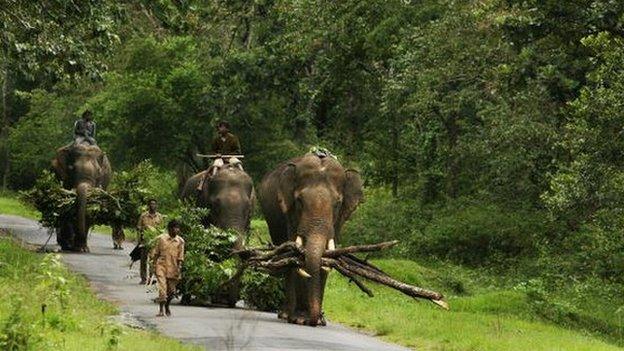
214	328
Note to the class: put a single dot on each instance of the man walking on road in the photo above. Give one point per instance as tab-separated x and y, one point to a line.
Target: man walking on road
168	255
149	220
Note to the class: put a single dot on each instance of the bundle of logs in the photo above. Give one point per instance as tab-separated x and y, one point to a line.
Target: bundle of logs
291	255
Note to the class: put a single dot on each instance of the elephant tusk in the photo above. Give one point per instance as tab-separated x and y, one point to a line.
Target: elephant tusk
441	303
303	273
326	269
299	241
331	245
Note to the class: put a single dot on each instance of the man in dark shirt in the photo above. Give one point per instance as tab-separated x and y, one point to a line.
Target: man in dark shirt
84	129
225	143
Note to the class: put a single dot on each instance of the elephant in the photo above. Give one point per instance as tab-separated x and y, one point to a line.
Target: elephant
307	200
80	167
229	194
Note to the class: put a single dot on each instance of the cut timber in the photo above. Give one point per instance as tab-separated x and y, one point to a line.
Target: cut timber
359	248
291	255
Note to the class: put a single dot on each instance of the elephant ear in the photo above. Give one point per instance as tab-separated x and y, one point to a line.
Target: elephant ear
352	196
285	194
60	164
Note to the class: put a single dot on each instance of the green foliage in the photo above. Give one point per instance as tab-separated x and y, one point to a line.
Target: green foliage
32	319
481	235
121	205
55	203
52	278
16	333
207	264
262	291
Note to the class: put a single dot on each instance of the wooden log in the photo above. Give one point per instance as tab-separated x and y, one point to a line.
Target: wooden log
362	263
354	279
264	255
386	280
359	248
276	265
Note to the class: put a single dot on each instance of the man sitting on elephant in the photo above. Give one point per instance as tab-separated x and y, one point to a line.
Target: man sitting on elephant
84	129
224	143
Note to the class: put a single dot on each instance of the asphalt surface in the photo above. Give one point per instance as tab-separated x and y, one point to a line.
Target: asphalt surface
214	328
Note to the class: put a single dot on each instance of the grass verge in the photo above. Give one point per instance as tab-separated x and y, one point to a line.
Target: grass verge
48	308
482	316
9	204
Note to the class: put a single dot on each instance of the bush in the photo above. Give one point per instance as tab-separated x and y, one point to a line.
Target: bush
17	333
262	291
209	264
480	234
382	218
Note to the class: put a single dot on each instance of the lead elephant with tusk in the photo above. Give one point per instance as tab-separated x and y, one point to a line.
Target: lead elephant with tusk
307	200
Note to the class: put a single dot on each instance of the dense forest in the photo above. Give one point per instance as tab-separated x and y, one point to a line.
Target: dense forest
489	133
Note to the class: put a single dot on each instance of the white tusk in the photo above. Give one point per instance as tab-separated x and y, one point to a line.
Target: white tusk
326	269
303	273
442	304
331	245
299	241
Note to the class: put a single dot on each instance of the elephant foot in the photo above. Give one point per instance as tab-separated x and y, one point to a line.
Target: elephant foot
302	319
283	315
82	249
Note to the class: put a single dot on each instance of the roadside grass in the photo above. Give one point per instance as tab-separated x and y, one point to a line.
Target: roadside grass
483	316
74	318
11	205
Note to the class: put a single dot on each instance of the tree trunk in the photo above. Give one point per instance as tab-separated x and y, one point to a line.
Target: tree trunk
395	156
4	132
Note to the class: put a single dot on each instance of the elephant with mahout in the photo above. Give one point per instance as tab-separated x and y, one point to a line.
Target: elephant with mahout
80	167
307	200
228	193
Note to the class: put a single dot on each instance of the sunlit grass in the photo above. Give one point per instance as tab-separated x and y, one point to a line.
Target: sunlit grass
9	204
82	325
479	319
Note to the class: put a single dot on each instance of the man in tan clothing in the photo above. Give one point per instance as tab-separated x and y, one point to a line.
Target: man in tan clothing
168	255
149	219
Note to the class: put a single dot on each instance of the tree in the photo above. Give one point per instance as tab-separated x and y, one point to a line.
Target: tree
51	40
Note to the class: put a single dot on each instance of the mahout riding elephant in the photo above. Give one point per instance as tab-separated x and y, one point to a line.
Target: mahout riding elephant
229	195
80	167
307	200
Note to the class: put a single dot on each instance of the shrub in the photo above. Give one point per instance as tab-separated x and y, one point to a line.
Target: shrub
262	291
480	234
382	218
17	333
208	263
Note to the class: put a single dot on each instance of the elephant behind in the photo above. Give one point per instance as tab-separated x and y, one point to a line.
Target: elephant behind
229	194
80	167
307	200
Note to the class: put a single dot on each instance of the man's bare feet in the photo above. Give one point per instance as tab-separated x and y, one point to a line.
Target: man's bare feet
168	313
160	314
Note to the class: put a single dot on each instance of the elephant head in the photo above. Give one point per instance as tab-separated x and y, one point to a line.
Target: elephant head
230	196
315	196
80	167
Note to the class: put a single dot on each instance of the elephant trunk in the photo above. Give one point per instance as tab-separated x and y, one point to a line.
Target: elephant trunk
314	248
81	235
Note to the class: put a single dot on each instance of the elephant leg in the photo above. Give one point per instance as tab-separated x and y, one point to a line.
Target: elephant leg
324	275
64	236
299	314
289	311
80	242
